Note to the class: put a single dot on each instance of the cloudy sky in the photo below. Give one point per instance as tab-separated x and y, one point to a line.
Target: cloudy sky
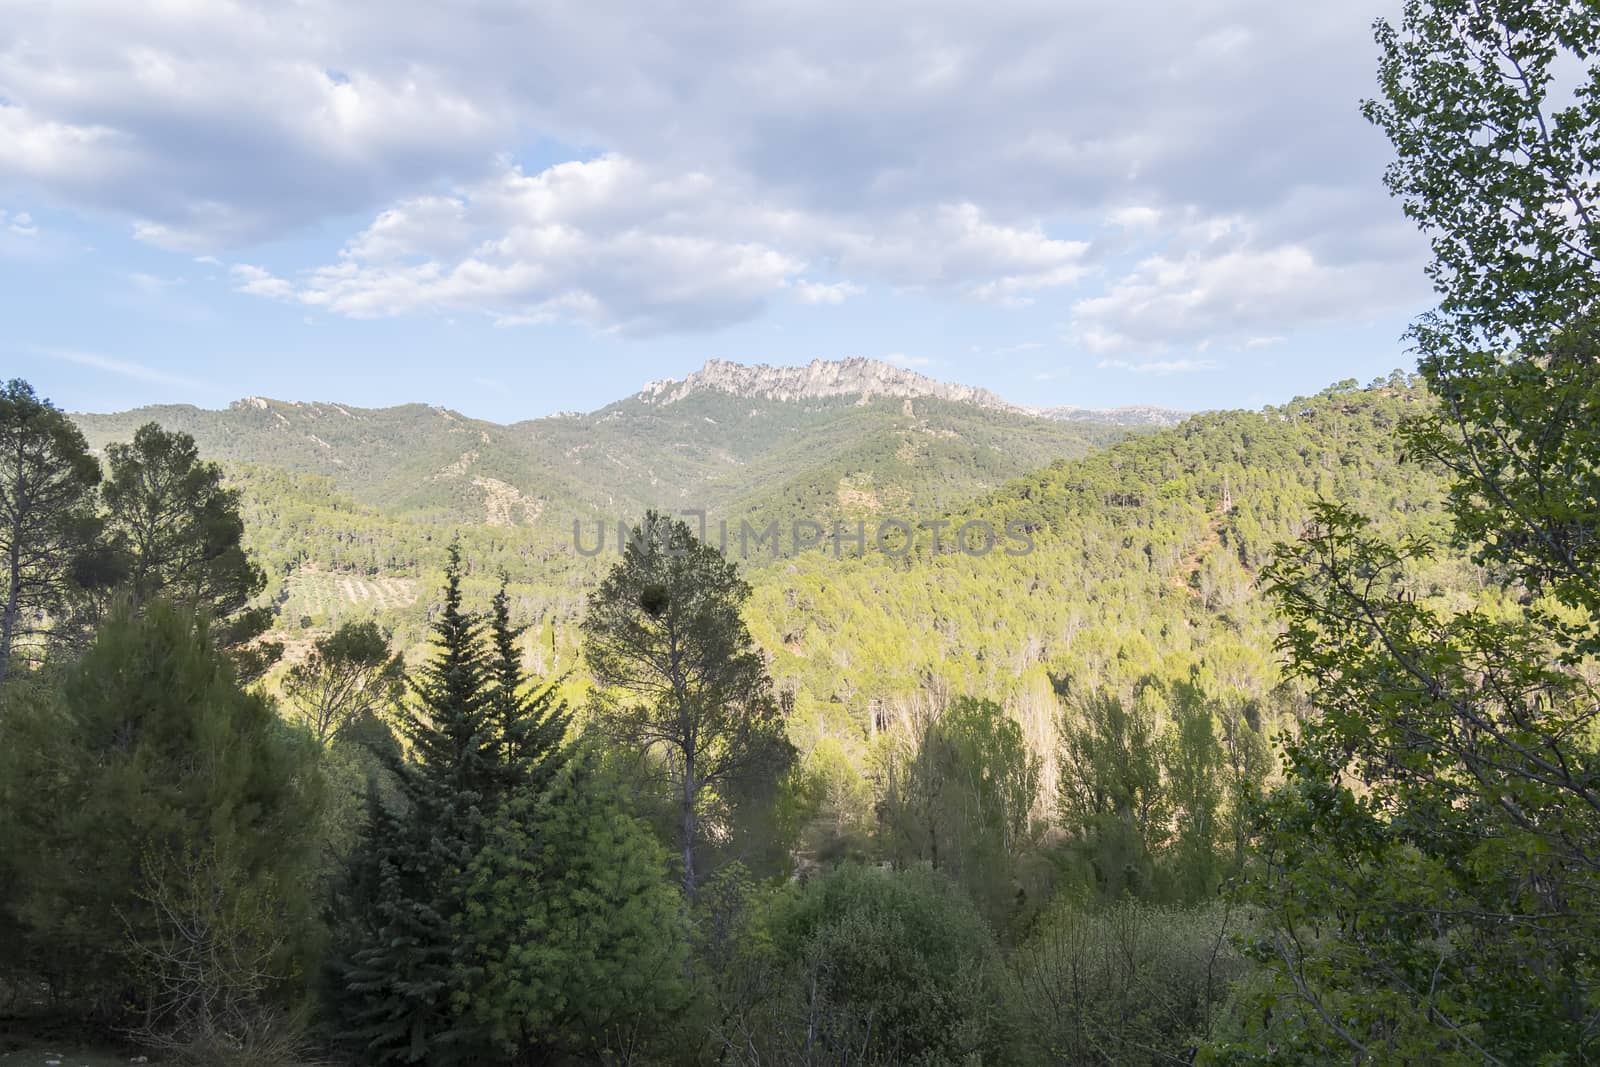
517	208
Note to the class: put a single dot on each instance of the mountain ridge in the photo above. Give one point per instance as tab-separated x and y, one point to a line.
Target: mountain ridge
818	441
820	380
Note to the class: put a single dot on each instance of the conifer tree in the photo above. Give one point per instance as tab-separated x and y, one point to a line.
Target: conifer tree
393	978
529	726
148	783
47	521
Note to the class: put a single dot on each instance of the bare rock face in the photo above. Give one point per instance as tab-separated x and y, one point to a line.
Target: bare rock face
821	379
1135	415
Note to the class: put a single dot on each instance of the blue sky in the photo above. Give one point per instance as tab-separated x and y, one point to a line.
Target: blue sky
517	211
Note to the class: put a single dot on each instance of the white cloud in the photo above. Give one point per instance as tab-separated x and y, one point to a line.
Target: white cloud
900	359
18	224
824	293
257	281
1158	367
949	148
121	367
1135	217
619	246
1218	283
151	284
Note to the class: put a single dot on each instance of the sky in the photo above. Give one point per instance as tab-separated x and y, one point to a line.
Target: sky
513	209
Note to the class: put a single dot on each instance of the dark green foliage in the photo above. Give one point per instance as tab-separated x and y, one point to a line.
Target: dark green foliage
1494	112
389	987
392	977
1153	788
133	796
480	749
881	967
176	533
1129	985
680	682
48	527
572	939
1429	882
528	722
1112	792
349	678
959	796
1493	107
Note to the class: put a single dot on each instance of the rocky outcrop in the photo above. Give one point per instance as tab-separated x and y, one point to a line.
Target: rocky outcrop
1135	415
819	380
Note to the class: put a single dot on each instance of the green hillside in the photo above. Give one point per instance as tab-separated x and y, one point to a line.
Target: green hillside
729	455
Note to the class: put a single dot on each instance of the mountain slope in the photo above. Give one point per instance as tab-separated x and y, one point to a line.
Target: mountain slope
734	441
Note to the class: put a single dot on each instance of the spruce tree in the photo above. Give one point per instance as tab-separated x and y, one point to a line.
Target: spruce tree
529	727
393	977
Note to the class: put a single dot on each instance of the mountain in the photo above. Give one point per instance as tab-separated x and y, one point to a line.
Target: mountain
828	439
349	508
863	379
1138	415
1126	566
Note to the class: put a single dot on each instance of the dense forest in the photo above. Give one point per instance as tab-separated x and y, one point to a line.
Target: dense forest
1278	744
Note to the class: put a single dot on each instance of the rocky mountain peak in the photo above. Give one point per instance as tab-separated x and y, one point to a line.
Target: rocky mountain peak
818	380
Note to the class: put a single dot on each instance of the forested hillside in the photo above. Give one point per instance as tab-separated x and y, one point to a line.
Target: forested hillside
783	457
1267	737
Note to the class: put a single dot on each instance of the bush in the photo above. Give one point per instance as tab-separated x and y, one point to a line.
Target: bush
1128	984
881	967
572	933
155	821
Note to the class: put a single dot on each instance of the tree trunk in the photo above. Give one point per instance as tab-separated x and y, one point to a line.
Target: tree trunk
8	617
689	828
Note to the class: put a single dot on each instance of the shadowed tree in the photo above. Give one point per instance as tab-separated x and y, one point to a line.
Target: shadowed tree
349	675
680	681
48	528
178	532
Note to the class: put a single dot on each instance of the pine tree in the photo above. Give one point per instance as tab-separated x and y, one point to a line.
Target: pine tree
150	781
529	727
47	524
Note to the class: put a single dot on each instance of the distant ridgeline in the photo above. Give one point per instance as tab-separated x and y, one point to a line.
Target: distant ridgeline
1142	553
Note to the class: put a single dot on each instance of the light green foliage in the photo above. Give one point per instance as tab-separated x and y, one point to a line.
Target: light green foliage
572	939
350	677
732	456
1143	564
147	783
